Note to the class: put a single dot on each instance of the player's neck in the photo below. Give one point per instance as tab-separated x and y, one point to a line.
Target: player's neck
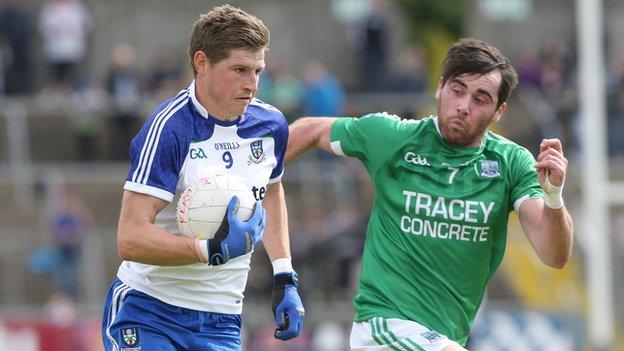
211	107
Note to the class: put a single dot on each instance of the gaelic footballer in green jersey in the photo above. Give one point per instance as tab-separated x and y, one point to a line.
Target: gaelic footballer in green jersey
444	189
438	226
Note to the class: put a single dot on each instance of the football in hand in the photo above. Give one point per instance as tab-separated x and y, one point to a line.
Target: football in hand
203	204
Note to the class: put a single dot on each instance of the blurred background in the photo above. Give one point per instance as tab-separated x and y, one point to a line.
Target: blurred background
79	77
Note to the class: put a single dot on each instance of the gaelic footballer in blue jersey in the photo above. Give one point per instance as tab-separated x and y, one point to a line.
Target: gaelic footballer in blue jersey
169	294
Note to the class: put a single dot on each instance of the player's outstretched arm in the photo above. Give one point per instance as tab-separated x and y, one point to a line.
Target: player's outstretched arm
547	223
307	133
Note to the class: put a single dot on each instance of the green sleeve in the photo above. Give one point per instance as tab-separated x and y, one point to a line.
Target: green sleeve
526	184
370	138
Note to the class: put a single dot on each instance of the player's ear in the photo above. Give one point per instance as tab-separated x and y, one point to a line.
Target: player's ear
498	114
200	61
438	89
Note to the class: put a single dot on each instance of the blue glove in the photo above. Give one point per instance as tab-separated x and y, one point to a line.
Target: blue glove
287	306
234	237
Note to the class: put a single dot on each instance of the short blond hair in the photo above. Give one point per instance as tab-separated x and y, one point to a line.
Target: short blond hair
225	28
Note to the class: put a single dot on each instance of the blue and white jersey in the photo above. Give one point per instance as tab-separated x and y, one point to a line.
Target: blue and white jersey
179	143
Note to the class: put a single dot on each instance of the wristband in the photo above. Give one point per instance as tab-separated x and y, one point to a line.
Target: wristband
553	195
201	249
282	265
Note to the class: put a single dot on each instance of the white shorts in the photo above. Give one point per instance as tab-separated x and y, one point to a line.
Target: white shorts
392	334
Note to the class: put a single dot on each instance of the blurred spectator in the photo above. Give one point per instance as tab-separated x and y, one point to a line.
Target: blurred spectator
165	75
324	95
529	71
67	221
124	88
60	310
86	122
308	250
347	229
374	47
64	26
262	340
327	247
615	109
281	88
16	32
3	53
558	85
411	75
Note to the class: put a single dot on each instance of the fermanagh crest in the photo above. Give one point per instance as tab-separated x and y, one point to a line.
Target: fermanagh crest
257	152
489	169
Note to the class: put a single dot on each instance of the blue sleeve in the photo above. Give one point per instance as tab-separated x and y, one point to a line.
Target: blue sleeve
280	136
156	159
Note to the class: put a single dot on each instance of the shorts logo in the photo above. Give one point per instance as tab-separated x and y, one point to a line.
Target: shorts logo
431	336
130	336
489	169
257	152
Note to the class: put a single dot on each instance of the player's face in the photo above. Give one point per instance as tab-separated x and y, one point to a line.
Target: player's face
228	86
467	106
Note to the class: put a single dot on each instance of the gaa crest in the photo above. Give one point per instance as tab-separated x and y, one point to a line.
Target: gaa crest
257	152
130	336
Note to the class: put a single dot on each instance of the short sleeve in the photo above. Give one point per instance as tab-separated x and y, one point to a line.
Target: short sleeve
526	184
155	160
369	138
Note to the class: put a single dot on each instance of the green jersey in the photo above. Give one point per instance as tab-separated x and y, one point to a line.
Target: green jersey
438	226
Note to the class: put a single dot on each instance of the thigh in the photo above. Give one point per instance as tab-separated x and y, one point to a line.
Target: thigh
134	321
124	328
381	334
137	337
218	332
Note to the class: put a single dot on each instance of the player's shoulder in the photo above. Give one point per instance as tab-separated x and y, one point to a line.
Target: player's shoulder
262	111
174	112
499	141
262	119
173	105
499	144
171	120
383	115
385	118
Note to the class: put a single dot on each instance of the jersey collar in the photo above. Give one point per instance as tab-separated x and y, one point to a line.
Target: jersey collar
435	123
202	110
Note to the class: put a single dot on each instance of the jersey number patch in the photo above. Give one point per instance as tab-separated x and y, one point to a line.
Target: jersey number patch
227	158
452	175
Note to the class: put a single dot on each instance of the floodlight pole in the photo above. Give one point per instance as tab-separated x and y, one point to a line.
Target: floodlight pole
596	220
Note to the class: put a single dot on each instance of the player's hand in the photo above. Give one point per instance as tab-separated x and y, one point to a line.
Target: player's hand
551	163
234	237
287	307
